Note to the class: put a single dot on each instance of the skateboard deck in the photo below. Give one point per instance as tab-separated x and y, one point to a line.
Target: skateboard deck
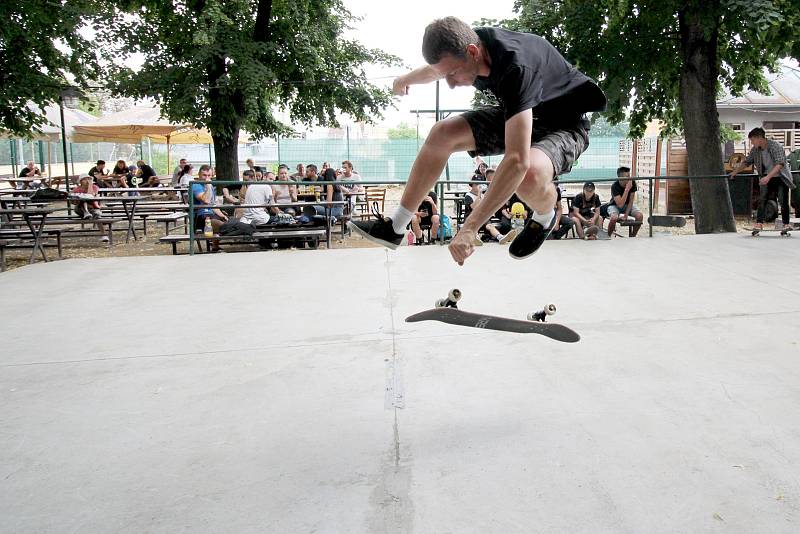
786	232
490	322
667	220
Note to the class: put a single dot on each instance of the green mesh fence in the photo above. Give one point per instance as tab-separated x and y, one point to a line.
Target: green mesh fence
373	159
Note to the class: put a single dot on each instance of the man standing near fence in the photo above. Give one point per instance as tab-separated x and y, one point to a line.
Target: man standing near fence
539	124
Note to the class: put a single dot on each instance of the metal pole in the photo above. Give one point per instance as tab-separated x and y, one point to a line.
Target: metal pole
191	218
650	205
278	140
71	158
41	154
209	155
347	130
64	148
13	147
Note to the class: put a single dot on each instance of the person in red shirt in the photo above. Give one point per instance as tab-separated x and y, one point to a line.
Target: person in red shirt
86	207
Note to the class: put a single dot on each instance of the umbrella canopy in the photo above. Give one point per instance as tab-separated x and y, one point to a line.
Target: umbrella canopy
52	131
128	126
131	125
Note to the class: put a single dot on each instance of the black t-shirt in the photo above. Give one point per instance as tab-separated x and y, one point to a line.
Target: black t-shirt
469	199
25	172
527	72
426	207
617	189
586	207
147	172
94	170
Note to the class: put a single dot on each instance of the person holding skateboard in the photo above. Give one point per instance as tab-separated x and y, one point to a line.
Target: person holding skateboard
539	124
769	159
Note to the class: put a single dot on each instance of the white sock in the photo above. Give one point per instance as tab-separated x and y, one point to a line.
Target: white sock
544	219
400	219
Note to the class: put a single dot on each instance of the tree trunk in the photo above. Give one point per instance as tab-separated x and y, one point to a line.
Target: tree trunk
711	201
226	152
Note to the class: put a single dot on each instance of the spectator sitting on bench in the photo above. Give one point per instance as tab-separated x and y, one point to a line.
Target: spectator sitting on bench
258	192
121	172
586	212
563	223
622	205
284	193
176	174
88	209
471	201
306	192
147	176
99	173
205	197
28	171
426	215
502	231
185	176
332	193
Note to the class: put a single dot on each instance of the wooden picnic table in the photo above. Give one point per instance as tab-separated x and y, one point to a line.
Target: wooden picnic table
35	219
128	205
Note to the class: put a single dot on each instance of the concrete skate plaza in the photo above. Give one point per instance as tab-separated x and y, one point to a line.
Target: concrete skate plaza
282	392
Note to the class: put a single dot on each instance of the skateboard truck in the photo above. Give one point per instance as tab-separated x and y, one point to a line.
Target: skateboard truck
451	301
541	315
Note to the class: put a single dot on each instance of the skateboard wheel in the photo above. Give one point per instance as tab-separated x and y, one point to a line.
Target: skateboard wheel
441	303
532	316
454	295
550	309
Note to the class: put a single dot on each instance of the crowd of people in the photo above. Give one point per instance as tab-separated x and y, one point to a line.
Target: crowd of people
586	215
258	201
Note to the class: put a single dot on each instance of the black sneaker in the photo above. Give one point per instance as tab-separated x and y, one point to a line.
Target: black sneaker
379	230
530	239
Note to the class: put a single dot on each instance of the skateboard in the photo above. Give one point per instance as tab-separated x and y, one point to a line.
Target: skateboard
447	311
786	232
666	220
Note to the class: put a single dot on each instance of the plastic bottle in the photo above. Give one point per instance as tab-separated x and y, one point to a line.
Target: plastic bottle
208	230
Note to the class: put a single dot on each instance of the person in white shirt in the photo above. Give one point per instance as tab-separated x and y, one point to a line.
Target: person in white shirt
259	192
349	174
185	176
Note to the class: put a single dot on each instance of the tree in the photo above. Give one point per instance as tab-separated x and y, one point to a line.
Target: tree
41	50
667	60
602	127
228	65
402	131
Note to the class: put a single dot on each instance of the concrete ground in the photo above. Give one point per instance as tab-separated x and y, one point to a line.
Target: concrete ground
282	392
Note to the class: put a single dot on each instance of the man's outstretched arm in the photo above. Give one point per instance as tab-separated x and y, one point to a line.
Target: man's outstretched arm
418	76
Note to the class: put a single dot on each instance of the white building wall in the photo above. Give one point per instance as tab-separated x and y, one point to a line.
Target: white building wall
753	119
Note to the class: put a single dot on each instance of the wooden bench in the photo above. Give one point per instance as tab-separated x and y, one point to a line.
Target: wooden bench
13	239
314	234
631	225
108	222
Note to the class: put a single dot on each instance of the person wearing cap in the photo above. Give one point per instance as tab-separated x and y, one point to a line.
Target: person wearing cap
586	212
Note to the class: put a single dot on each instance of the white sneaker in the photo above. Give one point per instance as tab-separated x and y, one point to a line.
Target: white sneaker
104	239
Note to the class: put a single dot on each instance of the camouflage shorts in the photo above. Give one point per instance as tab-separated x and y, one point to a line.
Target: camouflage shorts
562	145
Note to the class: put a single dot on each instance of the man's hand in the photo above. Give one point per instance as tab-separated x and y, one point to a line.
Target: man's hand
400	86
765	180
461	247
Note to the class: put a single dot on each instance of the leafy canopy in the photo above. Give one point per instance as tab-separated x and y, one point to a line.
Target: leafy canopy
632	48
229	64
42	50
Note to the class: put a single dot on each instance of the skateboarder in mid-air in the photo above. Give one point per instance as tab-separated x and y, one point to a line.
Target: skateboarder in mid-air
539	125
